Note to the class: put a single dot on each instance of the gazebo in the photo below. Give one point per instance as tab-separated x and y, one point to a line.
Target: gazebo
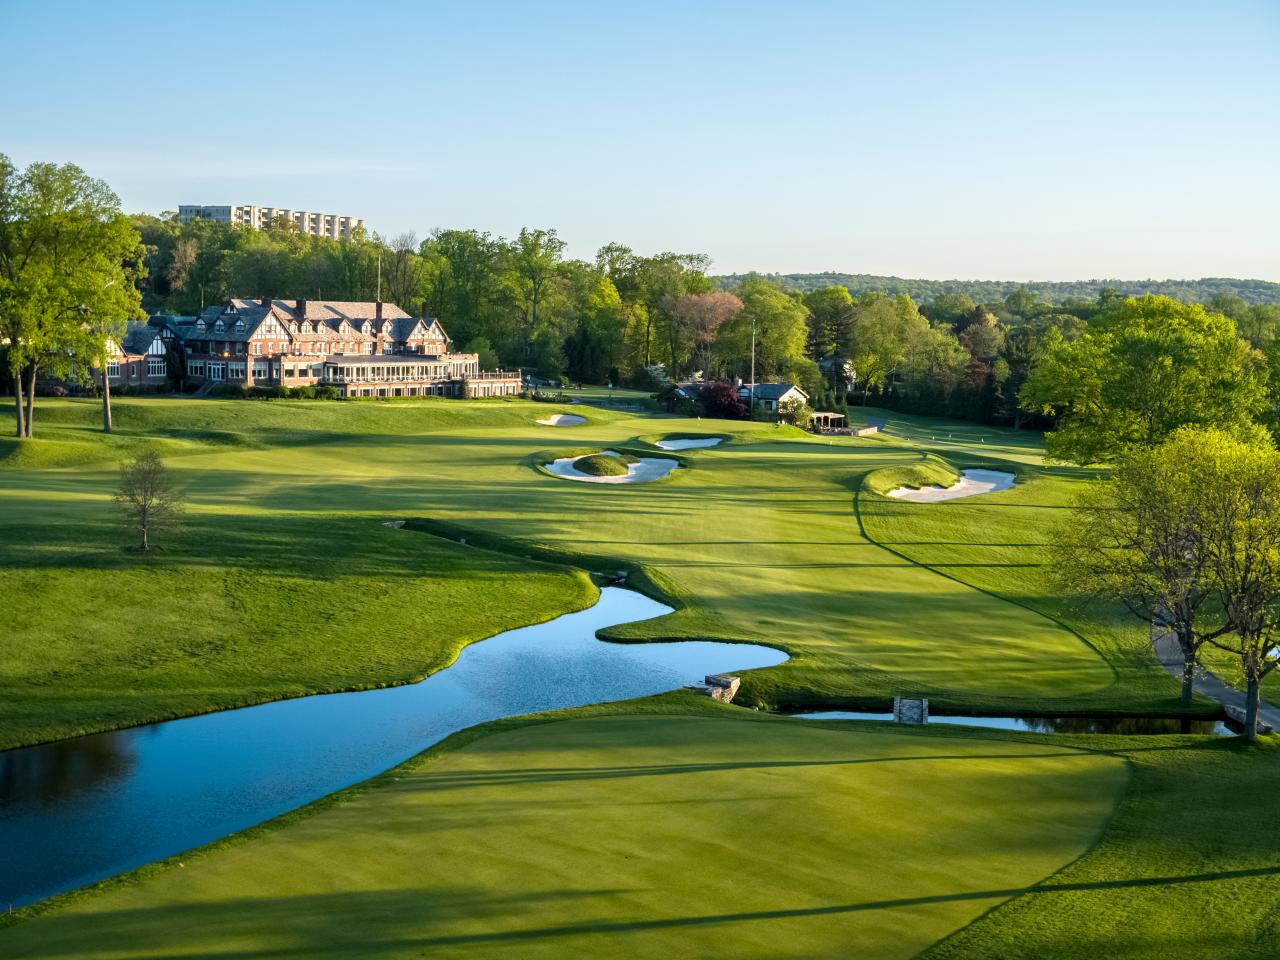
825	422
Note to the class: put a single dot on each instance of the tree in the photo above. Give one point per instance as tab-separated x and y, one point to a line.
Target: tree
830	313
68	261
535	261
1139	538
483	349
883	328
951	308
796	412
780	328
1144	369
1242	536
699	317
146	496
721	401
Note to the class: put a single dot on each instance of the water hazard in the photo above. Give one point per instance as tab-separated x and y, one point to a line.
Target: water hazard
79	810
1117	725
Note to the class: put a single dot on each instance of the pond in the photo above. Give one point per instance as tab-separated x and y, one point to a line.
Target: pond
78	810
1116	725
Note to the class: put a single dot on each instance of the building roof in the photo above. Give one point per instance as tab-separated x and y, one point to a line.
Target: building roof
327	316
138	337
770	391
337	310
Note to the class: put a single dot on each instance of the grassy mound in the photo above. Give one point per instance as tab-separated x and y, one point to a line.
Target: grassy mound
603	465
932	472
625	835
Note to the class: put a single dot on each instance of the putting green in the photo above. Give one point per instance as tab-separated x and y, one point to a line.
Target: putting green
626	836
286	581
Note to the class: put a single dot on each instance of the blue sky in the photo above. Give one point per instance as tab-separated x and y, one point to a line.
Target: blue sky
998	140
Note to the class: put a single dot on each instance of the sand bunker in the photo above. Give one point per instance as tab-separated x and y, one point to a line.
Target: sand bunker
973	482
563	420
642	471
689	443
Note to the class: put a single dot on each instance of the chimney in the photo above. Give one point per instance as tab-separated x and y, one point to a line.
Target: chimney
377	310
265	301
300	307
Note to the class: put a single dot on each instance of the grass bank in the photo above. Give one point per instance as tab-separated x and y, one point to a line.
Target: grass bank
683	830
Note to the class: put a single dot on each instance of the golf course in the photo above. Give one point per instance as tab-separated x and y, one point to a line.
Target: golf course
334	546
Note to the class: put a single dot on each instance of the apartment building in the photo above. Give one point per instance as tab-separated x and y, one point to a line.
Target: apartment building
329	225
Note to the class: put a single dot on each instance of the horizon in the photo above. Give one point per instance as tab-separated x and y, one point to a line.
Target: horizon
992	142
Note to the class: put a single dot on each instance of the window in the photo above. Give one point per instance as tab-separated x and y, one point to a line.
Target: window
195	368
257	348
217	371
113	368
156	367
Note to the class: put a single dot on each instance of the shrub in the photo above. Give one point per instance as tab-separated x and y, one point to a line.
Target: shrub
228	391
721	400
324	392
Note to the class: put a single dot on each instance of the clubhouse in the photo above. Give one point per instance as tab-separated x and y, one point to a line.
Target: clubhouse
362	349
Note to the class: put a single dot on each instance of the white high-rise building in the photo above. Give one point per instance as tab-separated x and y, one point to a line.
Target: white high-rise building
248	215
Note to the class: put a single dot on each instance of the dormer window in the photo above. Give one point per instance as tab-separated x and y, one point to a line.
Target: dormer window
217	326
239	326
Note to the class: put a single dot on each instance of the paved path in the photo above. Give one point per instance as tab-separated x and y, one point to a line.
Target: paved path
1205	683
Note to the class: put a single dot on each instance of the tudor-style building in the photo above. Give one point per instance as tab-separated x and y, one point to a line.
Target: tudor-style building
362	349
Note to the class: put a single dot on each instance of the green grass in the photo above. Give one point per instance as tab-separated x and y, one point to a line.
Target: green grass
286	581
622	835
600	465
926	473
1187	868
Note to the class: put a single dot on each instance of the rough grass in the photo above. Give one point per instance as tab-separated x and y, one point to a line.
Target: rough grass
620	835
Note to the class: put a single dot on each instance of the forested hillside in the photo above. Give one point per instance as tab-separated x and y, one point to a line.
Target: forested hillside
1051	291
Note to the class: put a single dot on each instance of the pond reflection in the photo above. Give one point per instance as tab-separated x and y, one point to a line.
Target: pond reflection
49	775
79	810
1115	725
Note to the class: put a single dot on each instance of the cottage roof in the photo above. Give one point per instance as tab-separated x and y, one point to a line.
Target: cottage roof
771	391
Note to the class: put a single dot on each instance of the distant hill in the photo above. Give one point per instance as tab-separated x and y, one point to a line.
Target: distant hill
989	291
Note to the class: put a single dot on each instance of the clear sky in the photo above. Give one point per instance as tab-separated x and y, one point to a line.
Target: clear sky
996	140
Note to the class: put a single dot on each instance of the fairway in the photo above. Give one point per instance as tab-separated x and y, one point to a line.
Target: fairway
627	836
285	579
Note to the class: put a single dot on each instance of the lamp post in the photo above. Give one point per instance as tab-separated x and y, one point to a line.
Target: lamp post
751	410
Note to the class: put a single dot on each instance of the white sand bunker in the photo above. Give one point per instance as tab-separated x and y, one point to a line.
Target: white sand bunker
973	482
563	420
689	443
642	471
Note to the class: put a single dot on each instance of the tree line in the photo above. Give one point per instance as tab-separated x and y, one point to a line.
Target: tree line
1052	291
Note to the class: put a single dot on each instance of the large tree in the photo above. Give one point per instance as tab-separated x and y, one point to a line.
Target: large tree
780	334
1139	538
1144	368
699	317
1242	531
830	315
883	329
68	261
535	261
